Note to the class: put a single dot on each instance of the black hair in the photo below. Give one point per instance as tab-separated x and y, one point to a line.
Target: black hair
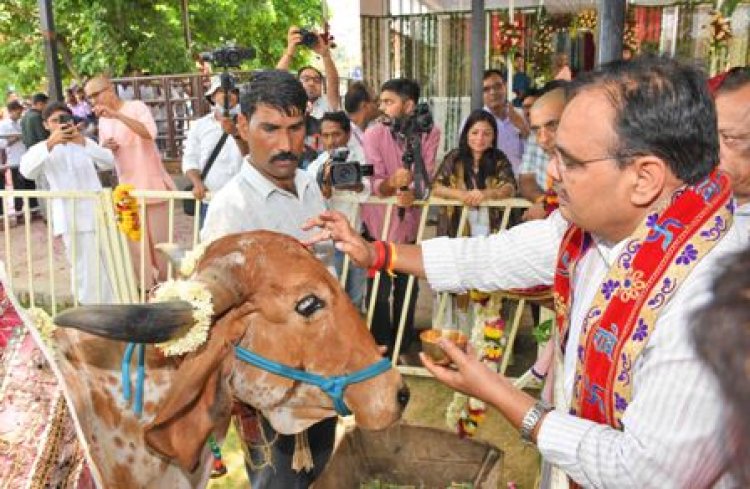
403	87
721	336
39	97
494	72
308	67
488	161
55	107
340	118
553	85
532	92
357	94
14	105
738	77
276	88
663	108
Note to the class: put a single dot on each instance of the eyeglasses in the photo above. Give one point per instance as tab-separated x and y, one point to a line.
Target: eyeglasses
93	95
550	126
568	163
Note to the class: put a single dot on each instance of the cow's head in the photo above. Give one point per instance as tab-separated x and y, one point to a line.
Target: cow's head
273	297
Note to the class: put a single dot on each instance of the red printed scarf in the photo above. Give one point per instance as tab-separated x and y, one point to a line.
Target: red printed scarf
652	266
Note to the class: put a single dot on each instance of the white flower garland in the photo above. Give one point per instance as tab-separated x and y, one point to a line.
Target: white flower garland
187	266
200	298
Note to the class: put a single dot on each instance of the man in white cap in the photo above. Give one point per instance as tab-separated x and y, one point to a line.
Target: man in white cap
213	135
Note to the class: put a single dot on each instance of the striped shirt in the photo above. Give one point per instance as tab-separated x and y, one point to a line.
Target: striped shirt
535	161
672	434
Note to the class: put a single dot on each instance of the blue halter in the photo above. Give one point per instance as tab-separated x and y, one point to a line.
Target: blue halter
333	386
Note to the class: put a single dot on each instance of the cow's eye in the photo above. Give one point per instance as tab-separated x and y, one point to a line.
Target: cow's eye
309	304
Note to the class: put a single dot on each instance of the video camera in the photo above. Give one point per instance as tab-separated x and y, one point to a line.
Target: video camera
418	122
228	56
346	174
309	38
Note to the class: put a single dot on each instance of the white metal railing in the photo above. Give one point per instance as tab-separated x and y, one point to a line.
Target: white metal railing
127	288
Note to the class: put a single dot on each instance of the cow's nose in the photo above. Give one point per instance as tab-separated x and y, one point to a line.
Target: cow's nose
402	396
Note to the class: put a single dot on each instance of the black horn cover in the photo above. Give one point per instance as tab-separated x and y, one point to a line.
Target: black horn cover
138	323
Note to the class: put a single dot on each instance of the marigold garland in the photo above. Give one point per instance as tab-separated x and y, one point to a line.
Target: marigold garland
200	298
587	20
43	323
509	36
126	211
630	39
720	29
467	413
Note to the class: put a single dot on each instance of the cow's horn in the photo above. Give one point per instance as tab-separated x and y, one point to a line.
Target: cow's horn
174	252
139	323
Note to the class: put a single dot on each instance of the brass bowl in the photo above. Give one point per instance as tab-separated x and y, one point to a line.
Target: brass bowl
431	348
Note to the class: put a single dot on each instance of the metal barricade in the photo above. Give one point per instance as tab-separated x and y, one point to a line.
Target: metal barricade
117	262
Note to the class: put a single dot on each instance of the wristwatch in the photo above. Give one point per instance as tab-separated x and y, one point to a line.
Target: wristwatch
532	418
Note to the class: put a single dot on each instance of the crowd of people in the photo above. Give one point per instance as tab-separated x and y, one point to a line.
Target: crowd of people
630	224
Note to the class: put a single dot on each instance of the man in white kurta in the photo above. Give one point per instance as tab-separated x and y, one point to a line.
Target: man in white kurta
654	139
70	161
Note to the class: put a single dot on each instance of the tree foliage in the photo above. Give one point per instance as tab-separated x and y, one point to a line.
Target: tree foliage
118	36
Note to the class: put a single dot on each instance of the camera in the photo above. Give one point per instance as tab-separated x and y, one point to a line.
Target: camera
309	38
346	174
64	119
418	122
228	56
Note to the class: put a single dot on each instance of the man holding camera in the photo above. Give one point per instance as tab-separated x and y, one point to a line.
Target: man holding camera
339	170
69	161
311	78
386	145
211	144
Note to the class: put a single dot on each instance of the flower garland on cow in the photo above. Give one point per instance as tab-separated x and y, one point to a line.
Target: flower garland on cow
488	339
126	211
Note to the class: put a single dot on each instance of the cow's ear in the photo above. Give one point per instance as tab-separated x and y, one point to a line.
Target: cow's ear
198	401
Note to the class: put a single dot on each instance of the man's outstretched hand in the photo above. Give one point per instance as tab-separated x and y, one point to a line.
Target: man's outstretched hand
335	226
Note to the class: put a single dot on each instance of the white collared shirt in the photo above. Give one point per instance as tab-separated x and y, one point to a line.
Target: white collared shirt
250	201
14	151
673	426
201	140
69	166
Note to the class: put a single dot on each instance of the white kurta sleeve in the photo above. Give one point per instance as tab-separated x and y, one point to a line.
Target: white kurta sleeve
102	157
32	162
191	155
523	256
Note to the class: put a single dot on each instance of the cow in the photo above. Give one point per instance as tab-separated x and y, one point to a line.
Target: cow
271	296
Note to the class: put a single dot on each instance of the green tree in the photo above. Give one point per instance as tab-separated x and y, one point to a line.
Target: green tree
118	36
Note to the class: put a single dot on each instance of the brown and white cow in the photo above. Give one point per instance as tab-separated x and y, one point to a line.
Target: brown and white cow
257	280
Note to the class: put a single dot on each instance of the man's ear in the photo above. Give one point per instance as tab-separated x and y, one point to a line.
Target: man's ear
409	105
243	127
650	177
46	126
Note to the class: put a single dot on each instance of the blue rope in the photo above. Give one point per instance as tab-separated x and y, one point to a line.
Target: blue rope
125	370
139	379
139	375
333	386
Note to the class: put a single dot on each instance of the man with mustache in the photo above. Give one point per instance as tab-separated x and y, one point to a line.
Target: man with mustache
644	221
269	193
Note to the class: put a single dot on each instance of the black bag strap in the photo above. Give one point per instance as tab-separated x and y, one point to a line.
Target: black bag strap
213	156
